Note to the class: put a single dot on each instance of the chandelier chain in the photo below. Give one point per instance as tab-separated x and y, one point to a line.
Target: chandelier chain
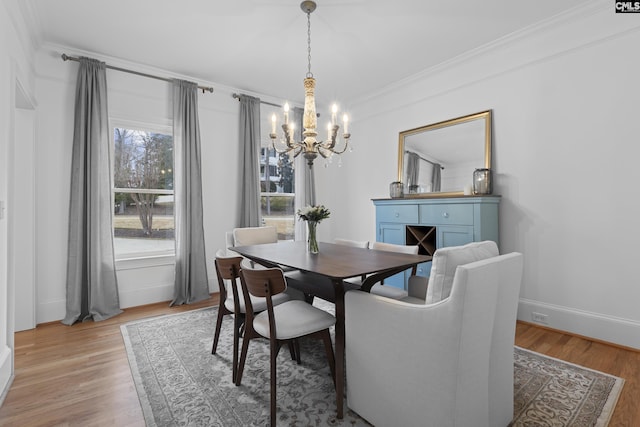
309	73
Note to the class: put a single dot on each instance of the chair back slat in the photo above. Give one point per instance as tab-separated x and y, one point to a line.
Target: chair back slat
228	268
264	282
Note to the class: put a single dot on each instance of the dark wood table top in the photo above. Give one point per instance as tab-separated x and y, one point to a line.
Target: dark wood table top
333	261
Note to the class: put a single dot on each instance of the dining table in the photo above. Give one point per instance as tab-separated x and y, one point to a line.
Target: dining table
329	268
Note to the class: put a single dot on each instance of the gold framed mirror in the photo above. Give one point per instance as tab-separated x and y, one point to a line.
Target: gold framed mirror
438	160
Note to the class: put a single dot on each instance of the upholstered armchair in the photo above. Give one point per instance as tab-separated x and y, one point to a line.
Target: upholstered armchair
445	363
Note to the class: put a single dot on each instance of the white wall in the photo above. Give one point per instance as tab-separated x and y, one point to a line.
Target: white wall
143	100
565	102
6	355
16	49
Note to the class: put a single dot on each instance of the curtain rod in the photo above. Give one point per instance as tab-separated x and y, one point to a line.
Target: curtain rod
66	57
422	158
237	96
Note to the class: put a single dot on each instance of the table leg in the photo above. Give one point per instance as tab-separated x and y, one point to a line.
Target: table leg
338	287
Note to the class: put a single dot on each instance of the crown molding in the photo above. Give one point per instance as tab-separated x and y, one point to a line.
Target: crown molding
558	21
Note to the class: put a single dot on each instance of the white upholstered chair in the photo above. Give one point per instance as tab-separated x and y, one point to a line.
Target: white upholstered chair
244	236
378	288
446	260
446	363
364	244
390	291
427	290
254	235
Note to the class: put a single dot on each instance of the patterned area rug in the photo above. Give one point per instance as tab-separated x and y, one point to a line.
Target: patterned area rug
180	383
552	392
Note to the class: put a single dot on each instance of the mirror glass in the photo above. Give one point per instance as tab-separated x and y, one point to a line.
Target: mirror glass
439	159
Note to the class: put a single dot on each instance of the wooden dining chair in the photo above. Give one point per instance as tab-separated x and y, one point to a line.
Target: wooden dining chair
282	324
232	301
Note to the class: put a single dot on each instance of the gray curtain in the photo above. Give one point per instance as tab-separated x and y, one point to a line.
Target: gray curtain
305	180
92	286
249	162
413	169
191	282
435	177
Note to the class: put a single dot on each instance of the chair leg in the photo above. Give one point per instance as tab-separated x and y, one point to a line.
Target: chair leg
292	350
274	348
221	313
243	358
308	298
296	344
326	338
237	324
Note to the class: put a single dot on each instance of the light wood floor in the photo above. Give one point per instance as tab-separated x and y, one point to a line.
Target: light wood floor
79	375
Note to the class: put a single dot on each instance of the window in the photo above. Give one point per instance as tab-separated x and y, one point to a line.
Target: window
277	172
143	221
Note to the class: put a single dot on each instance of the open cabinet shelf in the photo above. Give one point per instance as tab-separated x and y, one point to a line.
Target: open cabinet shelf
422	235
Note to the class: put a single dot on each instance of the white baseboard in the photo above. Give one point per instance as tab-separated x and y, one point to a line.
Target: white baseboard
6	372
152	294
132	297
51	311
597	326
148	295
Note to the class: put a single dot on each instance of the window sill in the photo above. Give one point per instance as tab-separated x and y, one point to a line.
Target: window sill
130	262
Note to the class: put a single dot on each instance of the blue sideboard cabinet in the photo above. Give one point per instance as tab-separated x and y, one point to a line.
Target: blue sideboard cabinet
433	223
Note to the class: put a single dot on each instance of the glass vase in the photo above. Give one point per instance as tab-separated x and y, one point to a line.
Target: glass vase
312	238
482	181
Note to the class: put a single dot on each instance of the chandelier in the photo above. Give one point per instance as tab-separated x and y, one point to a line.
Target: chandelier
310	146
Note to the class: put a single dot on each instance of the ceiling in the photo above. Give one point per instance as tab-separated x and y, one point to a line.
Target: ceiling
358	46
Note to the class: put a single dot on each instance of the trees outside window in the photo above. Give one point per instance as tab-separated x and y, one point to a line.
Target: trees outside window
143	191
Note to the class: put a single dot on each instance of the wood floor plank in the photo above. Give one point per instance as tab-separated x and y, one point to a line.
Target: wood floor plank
79	375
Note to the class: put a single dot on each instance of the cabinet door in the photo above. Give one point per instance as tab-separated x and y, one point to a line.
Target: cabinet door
452	235
393	233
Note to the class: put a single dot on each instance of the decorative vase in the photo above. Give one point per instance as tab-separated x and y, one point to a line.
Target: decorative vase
312	238
396	190
482	181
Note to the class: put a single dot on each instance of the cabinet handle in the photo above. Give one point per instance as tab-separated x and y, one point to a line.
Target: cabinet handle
445	214
397	214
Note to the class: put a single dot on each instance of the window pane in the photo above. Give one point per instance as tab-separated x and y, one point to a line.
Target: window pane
278	211
143	195
276	181
142	159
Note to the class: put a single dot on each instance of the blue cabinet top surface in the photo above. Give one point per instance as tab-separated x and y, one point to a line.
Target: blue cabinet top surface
437	200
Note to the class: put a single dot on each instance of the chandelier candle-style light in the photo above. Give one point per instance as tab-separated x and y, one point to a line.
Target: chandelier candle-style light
310	146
